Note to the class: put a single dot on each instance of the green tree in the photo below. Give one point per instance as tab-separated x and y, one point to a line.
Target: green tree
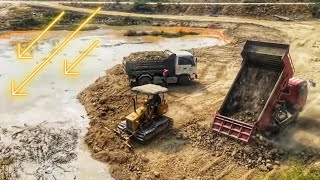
316	8
141	6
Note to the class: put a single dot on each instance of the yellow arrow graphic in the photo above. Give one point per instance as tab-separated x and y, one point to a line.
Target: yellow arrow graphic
67	69
16	91
20	54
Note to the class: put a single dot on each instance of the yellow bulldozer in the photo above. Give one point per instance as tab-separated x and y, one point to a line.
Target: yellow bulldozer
148	120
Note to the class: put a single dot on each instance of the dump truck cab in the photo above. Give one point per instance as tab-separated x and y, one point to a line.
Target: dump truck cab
295	94
185	64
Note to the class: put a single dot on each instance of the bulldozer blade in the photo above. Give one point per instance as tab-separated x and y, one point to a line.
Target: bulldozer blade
124	138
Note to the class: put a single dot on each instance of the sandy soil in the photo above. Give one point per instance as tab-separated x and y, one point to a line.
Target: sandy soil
190	151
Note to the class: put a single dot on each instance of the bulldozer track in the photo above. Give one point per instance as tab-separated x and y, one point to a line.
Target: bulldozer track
146	134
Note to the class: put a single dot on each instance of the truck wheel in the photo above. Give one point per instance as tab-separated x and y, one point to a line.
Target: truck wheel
133	84
144	80
184	80
295	118
272	131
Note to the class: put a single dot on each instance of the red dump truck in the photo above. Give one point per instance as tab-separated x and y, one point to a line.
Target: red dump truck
264	96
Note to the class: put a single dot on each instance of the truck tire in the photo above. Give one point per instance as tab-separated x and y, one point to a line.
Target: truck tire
132	84
296	118
184	80
144	80
272	131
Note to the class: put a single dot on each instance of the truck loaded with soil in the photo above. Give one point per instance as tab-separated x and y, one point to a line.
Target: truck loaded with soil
147	67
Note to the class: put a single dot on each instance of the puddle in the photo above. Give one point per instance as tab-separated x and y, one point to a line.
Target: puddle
52	97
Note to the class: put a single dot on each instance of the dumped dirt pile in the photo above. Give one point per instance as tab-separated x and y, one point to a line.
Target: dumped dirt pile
190	150
106	101
109	99
259	152
38	151
147	55
250	94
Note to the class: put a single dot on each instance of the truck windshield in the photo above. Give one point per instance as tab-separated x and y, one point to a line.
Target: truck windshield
186	60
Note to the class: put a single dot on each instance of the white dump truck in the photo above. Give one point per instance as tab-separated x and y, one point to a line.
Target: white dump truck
147	67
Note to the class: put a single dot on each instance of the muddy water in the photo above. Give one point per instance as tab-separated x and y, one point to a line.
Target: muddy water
52	96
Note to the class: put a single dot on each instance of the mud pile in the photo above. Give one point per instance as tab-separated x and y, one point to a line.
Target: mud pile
260	152
191	150
108	99
147	56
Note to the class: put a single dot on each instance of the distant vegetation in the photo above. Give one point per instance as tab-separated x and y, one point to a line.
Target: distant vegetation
141	6
181	33
316	8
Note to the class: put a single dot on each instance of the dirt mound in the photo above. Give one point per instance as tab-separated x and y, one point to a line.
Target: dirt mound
108	99
258	152
191	150
146	56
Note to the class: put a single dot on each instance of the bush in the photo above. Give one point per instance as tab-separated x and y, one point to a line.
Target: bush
316	8
141	6
130	32
24	23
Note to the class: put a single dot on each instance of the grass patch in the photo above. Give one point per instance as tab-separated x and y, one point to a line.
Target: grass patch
141	6
297	171
316	9
132	32
24	23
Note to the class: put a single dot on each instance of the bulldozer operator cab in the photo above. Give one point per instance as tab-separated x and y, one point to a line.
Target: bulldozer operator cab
154	106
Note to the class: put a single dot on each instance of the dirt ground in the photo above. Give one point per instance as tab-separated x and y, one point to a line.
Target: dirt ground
191	150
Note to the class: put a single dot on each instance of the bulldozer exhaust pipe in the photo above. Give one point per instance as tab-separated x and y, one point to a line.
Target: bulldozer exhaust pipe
134	105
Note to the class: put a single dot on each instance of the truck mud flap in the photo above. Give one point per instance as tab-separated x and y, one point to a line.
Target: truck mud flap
232	128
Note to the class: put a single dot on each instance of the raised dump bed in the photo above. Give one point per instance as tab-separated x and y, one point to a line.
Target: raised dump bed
250	93
265	72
